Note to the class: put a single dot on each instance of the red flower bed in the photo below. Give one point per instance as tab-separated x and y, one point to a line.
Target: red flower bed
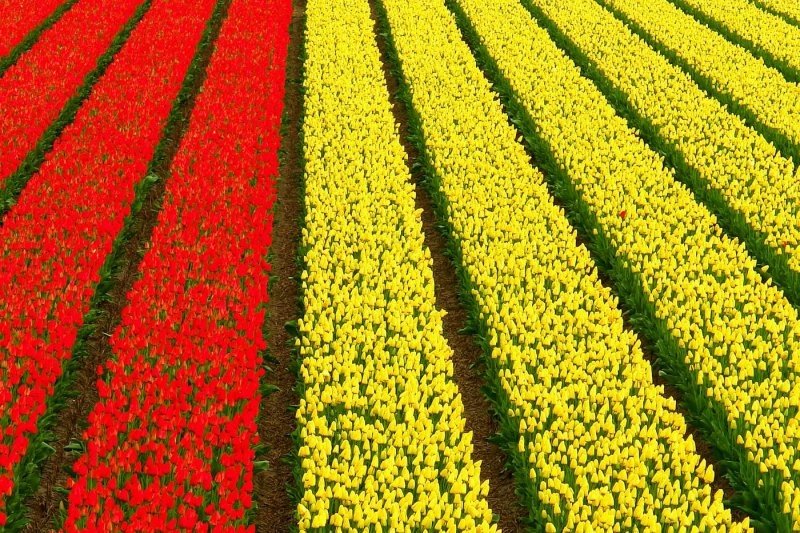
171	443
35	89
55	240
20	17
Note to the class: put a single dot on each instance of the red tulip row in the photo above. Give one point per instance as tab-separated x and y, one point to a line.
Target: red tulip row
170	445
36	88
54	242
20	17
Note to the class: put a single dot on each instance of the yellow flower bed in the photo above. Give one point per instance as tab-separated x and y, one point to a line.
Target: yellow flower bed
767	31
604	447
382	435
790	8
740	336
753	178
729	67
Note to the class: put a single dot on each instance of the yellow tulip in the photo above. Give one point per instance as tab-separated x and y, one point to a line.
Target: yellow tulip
371	338
735	71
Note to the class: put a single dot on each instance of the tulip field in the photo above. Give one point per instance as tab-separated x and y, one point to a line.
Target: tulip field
399	265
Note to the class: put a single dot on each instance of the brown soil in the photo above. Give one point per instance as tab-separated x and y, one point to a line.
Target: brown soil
276	419
466	352
502	498
44	506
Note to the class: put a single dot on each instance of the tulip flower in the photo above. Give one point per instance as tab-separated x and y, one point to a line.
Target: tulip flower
729	69
180	391
55	240
34	91
381	423
674	248
21	17
765	32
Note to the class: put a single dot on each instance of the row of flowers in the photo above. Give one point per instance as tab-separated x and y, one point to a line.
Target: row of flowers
54	243
35	90
381	428
20	18
728	338
171	443
716	149
742	21
786	8
723	66
597	441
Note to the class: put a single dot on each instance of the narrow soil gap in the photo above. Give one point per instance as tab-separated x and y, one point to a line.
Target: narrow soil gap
276	415
50	498
502	497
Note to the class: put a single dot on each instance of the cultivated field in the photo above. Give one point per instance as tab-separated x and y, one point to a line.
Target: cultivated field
399	265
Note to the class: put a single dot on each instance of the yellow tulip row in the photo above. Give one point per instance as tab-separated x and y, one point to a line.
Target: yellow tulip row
729	68
788	8
382	438
599	442
737	334
737	162
743	19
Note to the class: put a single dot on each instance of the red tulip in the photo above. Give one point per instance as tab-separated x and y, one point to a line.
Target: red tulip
57	237
35	89
180	392
21	17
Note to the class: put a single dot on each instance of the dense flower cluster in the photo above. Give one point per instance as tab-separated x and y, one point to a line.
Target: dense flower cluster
383	444
732	158
766	31
604	447
34	90
20	17
56	239
170	444
740	337
729	68
788	8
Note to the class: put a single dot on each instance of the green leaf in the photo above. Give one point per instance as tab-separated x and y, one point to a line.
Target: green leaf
292	328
